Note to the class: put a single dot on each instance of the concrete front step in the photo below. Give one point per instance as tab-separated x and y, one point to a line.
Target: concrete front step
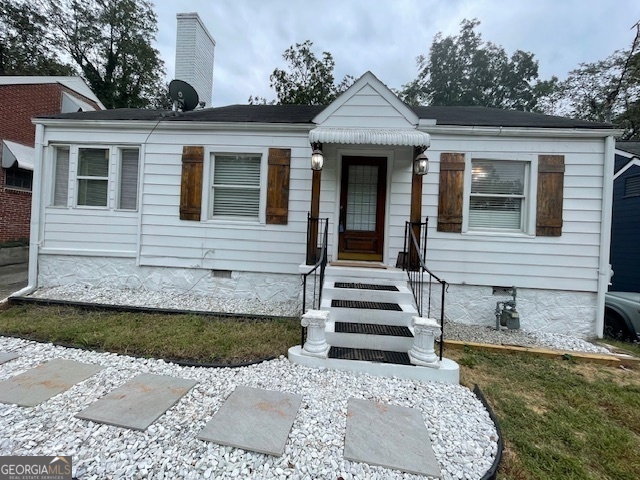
448	372
377	281
366	315
402	295
366	340
384	276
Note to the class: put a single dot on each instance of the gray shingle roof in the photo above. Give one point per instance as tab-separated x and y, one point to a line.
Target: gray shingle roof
629	147
459	116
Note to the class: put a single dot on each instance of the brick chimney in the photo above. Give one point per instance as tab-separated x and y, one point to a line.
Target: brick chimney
194	55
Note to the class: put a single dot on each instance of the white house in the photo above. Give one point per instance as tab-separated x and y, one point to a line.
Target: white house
216	201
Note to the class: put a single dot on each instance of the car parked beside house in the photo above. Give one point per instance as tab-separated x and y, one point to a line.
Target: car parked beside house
622	316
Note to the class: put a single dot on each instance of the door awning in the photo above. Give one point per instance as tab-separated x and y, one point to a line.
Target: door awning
407	137
13	152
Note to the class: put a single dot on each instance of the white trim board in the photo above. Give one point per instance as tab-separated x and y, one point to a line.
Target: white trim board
633	163
381	89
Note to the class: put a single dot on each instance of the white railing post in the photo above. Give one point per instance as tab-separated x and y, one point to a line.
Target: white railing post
425	331
316	344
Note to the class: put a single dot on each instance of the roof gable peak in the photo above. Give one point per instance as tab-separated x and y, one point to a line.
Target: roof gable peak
370	86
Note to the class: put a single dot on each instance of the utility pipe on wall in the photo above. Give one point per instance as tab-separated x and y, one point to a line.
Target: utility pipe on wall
604	268
37	207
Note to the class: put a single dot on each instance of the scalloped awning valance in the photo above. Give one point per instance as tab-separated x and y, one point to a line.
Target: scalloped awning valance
408	137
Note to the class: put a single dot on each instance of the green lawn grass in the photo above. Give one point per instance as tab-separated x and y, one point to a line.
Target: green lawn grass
559	419
197	338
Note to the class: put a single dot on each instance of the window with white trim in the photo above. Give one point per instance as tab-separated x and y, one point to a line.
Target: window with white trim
235	191
498	195
93	177
98	176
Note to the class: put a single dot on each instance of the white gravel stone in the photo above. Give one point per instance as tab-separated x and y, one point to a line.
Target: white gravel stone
170	299
520	338
462	434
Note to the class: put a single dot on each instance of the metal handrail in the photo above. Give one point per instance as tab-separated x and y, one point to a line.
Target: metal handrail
415	266
321	264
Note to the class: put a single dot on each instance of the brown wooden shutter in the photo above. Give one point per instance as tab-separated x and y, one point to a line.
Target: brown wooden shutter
191	187
550	195
450	196
278	186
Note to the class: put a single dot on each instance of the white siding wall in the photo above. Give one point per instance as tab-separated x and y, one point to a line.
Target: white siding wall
222	244
568	262
87	230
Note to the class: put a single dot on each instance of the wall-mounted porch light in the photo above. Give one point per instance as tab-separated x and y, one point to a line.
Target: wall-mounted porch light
421	164
317	159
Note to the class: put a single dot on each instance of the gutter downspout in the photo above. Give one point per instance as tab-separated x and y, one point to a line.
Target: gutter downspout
604	267
36	213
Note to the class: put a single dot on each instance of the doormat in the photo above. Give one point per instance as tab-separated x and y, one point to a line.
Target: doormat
343	263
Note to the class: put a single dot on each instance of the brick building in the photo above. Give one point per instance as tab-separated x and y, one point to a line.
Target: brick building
21	99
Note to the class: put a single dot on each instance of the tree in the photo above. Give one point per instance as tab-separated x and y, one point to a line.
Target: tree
110	41
26	48
307	80
464	70
607	90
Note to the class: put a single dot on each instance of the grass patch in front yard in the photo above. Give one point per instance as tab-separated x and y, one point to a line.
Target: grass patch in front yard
198	338
560	419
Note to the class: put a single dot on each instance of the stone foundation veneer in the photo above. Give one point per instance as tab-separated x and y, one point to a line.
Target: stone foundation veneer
550	311
109	272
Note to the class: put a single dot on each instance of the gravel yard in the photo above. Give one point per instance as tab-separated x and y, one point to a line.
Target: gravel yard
485	334
462	434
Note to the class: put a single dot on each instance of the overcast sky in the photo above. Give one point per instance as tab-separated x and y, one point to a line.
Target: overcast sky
385	36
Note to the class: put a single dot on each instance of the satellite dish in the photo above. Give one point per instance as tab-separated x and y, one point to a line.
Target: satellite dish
184	96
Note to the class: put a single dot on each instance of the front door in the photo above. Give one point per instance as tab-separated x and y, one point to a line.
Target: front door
362	201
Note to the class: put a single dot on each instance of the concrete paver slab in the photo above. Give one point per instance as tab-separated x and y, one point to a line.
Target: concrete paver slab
389	436
7	356
254	419
34	386
139	402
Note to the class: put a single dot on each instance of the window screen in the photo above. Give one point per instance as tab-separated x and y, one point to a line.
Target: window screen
128	198
61	182
18	178
236	186
497	194
93	176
